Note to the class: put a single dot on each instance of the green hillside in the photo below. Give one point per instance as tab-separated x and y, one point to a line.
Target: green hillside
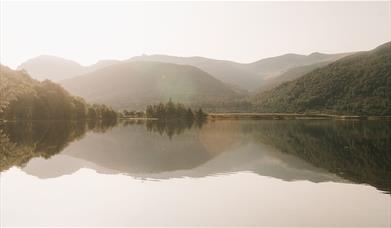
357	84
24	98
290	75
134	85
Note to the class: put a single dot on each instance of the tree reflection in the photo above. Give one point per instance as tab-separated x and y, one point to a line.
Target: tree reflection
171	128
22	141
359	151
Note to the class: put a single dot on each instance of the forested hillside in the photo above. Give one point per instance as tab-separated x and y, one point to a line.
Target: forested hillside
27	99
357	84
134	85
290	75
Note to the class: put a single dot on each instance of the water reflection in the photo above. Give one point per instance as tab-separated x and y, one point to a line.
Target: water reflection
359	151
23	141
171	128
339	151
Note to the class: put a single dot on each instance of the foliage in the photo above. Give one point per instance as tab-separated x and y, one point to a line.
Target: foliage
23	98
359	84
170	110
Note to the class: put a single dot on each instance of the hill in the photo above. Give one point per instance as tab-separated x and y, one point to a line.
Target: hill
289	75
240	77
135	84
23	98
357	84
56	68
235	74
274	66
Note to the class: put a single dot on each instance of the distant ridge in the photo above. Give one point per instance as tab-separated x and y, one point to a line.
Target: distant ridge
270	67
357	84
56	68
235	74
135	84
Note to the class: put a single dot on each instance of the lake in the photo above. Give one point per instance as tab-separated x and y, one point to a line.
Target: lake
218	173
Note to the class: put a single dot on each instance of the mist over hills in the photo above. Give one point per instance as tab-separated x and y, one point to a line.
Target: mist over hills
274	66
289	75
357	84
348	83
232	73
238	76
56	68
137	84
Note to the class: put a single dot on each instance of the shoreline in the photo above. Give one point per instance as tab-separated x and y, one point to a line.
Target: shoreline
289	116
256	116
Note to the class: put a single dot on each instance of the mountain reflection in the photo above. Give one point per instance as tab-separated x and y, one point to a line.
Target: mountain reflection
359	151
23	141
340	151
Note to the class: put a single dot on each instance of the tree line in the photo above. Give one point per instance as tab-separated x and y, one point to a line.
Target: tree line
166	111
171	110
23	98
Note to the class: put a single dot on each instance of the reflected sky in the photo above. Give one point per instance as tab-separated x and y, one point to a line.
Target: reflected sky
253	172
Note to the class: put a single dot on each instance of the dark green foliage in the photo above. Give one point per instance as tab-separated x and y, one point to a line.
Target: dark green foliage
170	111
359	84
23	98
173	118
200	115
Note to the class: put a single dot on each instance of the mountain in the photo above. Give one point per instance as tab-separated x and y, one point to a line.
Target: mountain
240	77
134	84
289	75
258	75
100	64
56	68
271	67
357	84
23	98
235	74
51	67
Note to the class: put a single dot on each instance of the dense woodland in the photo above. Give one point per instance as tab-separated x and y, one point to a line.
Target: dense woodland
170	110
23	98
359	84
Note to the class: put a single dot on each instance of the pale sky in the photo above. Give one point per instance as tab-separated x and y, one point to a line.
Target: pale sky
238	31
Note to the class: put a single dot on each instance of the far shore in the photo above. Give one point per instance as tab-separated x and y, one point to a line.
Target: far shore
264	116
283	116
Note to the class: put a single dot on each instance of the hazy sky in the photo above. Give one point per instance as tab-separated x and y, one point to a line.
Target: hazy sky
239	31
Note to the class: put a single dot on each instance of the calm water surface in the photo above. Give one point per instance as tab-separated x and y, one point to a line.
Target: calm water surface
222	173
